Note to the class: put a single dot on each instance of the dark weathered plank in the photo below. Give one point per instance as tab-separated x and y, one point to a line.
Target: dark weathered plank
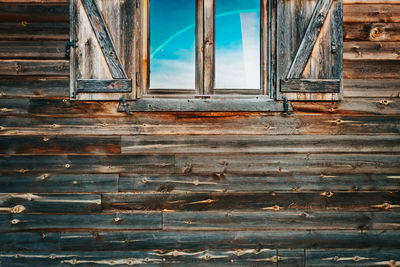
58	183
34	67
350	257
34	31
33	12
257	144
32	88
310	37
58	203
99	27
372	88
384	32
126	240
13	106
187	124
206	105
205	257
275	181
361	106
253	201
104	86
32	50
270	220
291	257
117	221
11	145
86	164
371	50
262	164
310	86
371	69
369	12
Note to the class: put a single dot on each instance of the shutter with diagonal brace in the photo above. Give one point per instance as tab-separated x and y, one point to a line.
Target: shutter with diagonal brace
103	62
309	50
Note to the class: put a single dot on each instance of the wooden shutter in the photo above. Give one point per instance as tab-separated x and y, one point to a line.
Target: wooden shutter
103	63
309	50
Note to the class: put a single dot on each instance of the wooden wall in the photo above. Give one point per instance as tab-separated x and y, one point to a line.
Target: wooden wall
82	184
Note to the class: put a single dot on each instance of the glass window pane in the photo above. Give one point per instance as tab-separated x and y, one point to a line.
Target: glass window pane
237	44
172	44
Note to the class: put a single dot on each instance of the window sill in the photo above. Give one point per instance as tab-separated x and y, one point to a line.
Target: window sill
259	104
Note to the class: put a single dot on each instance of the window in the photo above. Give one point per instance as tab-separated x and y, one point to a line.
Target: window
207	55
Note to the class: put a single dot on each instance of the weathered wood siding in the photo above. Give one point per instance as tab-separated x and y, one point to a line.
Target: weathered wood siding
83	184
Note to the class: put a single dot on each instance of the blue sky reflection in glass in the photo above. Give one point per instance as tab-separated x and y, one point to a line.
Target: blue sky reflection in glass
172	44
237	44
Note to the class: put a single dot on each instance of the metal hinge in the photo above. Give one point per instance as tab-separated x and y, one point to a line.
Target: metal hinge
286	105
68	46
333	47
125	105
137	3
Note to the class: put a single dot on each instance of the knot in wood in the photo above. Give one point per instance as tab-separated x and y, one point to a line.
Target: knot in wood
385	102
130	262
336	258
356	258
45	139
117	219
75	182
18	209
67	166
275	258
43	235
144	180
207	257
377	32
15	221
327	194
196	182
52	256
22	171
18	68
339	121
73	261
393	263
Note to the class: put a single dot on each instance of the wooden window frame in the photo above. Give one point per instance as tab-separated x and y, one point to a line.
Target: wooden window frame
205	97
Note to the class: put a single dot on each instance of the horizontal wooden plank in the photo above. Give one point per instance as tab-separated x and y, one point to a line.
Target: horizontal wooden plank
34	12
149	258
378	106
84	241
383	32
34	88
58	183
34	67
367	12
371	88
310	86
32	50
198	105
262	164
269	183
104	86
373	106
353	257
34	31
270	220
291	257
197	124
14	106
253	201
86	164
371	51
246	144
116	221
11	145
50	203
371	69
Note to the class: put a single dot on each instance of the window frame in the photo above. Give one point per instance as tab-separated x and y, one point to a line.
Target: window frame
205	58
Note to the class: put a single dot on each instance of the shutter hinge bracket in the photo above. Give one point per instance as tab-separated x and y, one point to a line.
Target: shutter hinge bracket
286	105
68	46
125	105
